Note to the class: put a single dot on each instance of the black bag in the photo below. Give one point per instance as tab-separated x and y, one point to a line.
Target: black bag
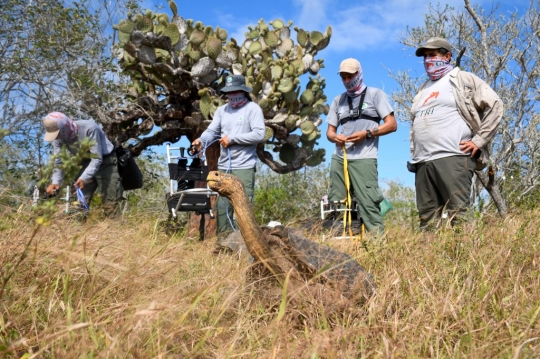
127	168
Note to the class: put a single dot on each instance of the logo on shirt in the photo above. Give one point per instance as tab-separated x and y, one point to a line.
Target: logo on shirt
431	95
240	118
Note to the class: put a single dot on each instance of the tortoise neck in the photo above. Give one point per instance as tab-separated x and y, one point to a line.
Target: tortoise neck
251	232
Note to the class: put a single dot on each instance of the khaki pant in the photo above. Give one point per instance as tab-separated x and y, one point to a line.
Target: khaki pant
442	185
225	211
364	182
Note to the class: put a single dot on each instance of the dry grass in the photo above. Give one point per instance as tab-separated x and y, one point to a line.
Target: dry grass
124	289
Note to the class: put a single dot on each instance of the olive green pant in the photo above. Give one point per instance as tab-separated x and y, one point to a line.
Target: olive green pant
107	183
225	211
442	185
364	182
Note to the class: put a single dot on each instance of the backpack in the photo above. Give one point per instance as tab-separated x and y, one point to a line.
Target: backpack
128	169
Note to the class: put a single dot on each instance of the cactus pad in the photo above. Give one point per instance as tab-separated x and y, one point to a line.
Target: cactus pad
253	34
287	153
277	24
285	85
197	37
314	161
302	37
271	39
126	26
277	72
315	37
195	55
171	31
323	43
213	47
123	37
143	24
205	105
237	69
222	34
290	122
307	127
202	67
307	97
173	7
268	133
306	111
286	45
147	55
255	48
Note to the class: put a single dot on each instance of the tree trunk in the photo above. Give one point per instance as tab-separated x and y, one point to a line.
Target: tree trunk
488	181
202	226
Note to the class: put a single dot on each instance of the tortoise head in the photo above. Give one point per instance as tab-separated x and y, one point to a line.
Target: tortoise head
224	184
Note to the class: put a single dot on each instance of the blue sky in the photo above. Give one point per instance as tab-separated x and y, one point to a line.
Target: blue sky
366	30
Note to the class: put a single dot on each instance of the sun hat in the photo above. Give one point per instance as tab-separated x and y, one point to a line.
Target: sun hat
235	83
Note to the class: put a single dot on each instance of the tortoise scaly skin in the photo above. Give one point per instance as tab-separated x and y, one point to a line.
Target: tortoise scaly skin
285	251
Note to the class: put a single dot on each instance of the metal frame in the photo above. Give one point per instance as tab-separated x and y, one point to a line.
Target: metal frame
198	191
334	207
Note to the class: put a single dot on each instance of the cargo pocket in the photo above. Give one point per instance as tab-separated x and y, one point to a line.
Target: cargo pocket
374	192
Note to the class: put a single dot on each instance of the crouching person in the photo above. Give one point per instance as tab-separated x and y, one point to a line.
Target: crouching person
97	174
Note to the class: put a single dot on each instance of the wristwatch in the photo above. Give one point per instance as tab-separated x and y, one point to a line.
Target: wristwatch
369	134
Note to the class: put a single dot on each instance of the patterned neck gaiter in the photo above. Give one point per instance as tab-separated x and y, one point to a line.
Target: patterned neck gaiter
355	85
68	128
237	100
436	67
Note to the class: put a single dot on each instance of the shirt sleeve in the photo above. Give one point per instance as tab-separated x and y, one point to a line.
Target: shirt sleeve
491	111
58	174
333	116
383	106
94	164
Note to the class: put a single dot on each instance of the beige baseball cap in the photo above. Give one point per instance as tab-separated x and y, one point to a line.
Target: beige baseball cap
349	65
51	126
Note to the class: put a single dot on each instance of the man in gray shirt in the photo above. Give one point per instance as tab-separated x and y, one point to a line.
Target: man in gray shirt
239	127
358	111
99	173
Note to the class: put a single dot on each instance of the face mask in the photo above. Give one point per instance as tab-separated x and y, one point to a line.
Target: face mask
68	128
237	100
436	67
355	85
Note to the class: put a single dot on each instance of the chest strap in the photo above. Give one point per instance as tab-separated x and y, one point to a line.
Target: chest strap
356	113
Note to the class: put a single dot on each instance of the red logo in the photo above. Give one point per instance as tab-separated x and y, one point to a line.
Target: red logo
431	95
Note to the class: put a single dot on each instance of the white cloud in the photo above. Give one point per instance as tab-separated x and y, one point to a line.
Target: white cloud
313	13
369	26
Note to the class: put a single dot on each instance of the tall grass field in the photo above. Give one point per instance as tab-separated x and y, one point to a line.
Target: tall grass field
131	288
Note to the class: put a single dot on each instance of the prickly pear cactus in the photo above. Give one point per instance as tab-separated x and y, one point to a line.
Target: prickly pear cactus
177	66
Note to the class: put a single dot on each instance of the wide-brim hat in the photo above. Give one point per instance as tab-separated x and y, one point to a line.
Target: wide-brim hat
235	83
434	43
